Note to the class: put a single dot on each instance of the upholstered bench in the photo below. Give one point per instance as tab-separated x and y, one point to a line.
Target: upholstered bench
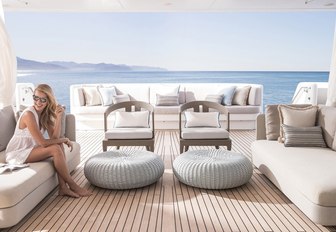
212	169
124	169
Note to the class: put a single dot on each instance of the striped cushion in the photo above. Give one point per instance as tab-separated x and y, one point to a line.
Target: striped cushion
167	100
303	136
214	98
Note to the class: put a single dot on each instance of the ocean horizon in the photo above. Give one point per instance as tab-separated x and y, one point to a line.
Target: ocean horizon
279	86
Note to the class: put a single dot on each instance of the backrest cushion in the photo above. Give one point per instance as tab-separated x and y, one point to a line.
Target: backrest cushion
91	95
204	119
327	121
255	96
241	95
297	117
228	93
106	95
136	119
8	123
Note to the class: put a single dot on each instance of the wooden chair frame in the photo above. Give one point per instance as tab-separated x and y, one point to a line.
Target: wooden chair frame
205	106
129	106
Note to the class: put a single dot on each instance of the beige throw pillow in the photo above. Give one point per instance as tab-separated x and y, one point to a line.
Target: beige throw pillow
91	95
241	95
297	117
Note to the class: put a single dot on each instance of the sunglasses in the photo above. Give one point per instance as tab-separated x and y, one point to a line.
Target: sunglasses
41	99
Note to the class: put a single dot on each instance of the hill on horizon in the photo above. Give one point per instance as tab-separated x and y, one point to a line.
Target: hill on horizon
25	64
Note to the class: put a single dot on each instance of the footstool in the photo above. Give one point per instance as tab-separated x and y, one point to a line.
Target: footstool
212	169
124	169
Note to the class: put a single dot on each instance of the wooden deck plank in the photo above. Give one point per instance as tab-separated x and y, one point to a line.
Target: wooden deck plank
169	205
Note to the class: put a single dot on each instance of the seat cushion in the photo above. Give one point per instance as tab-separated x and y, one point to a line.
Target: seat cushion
129	133
166	109
310	169
16	185
204	133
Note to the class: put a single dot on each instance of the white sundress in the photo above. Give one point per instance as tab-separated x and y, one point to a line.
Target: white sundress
22	142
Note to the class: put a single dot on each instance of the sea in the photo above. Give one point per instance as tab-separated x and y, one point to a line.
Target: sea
279	87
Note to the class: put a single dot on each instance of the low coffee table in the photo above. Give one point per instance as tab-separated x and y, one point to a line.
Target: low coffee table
212	169
124	169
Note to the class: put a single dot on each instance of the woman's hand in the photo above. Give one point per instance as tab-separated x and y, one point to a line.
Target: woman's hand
59	111
69	143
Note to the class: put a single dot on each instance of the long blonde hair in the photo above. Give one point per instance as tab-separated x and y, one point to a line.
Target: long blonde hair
48	114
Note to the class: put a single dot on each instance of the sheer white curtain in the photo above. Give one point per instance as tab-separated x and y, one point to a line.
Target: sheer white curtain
331	100
7	66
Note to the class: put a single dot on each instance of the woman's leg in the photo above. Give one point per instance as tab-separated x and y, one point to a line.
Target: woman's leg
42	153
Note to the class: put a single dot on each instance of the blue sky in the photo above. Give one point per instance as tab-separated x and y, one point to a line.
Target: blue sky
179	41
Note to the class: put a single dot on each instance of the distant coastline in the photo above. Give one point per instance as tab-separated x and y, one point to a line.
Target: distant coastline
26	65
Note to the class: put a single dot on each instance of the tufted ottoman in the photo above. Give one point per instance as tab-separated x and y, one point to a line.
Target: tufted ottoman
124	169
212	169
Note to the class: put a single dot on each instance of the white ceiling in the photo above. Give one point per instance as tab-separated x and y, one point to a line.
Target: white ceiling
167	5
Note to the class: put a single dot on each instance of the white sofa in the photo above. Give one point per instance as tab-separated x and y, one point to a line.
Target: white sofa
90	117
306	175
21	190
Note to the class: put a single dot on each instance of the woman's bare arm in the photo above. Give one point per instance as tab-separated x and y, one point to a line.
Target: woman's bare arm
28	121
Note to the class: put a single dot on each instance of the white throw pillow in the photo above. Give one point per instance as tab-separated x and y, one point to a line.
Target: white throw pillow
201	119
168	89
92	97
106	95
131	119
120	98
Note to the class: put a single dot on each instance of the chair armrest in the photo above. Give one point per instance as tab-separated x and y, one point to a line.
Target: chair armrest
70	127
261	128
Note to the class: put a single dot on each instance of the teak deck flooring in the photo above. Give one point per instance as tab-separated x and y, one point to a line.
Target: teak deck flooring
169	205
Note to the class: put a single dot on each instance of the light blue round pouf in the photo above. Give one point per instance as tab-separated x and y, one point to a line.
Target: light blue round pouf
124	169
212	169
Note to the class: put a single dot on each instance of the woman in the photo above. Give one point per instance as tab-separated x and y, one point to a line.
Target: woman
28	144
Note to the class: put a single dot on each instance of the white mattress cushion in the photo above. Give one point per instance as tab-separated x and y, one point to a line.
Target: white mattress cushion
310	169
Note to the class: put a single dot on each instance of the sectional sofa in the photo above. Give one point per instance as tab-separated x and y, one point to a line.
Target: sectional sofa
302	164
21	190
87	103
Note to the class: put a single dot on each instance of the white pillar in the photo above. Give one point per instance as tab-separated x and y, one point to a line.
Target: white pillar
7	65
331	99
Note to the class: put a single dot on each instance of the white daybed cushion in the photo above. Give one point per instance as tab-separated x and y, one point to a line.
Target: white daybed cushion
16	185
310	170
129	133
204	133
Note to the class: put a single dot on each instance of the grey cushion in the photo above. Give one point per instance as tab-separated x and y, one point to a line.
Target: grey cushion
8	123
124	169
240	96
327	120
204	133
212	169
303	136
167	100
